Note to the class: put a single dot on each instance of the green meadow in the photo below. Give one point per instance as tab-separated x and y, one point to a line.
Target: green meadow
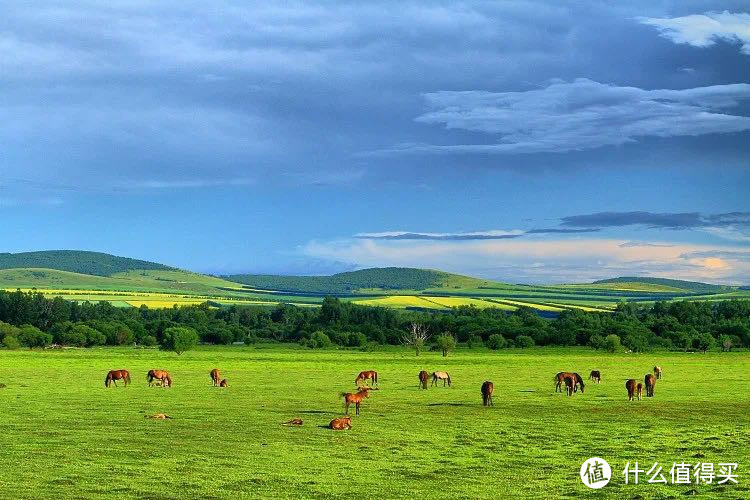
64	435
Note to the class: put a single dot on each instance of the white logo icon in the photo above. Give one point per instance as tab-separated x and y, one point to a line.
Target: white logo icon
595	473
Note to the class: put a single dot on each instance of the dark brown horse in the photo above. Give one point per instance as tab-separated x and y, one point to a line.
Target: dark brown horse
596	376
560	379
355	398
630	385
639	391
650	382
657	371
570	381
363	376
423	377
160	375
115	375
215	376
223	383
487	389
340	424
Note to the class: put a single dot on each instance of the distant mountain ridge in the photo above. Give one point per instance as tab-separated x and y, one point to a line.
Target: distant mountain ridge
78	261
692	286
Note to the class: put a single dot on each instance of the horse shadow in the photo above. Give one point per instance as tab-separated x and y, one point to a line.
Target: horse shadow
449	404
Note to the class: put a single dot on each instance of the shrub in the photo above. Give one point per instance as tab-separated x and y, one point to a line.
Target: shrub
31	336
704	342
356	339
496	341
11	342
612	343
179	339
148	341
319	340
524	341
475	341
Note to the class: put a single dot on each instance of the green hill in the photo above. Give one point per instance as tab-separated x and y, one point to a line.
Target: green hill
667	284
75	261
385	278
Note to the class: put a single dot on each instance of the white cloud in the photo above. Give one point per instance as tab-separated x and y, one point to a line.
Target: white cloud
583	114
703	30
493	234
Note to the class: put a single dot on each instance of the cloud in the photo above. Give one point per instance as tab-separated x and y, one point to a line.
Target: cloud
188	183
578	115
544	261
634	244
703	30
495	234
684	220
559	230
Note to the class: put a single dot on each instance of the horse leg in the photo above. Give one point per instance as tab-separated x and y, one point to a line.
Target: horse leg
357	408
347	407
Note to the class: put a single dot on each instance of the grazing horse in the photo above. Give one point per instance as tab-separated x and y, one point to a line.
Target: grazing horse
215	376
596	376
223	383
423	376
570	381
657	371
631	387
441	376
162	376
649	381
115	375
356	398
639	391
363	376
487	390
340	424
560	379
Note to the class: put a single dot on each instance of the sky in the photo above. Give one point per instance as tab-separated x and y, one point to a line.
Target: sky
523	141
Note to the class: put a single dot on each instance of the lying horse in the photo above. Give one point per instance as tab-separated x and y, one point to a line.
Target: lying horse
657	371
363	376
441	376
596	376
423	376
650	382
487	389
223	383
560	379
215	376
163	376
356	398
630	385
340	424
294	421
115	375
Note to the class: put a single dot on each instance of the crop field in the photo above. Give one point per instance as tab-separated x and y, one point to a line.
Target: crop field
64	435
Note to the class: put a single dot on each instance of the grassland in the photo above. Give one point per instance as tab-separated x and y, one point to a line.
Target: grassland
64	435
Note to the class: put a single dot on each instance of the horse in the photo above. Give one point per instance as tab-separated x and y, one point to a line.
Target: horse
596	376
115	375
160	375
639	391
423	376
356	398
441	376
631	387
294	421
487	390
223	383
657	371
560	378
363	376
649	381
215	376
340	424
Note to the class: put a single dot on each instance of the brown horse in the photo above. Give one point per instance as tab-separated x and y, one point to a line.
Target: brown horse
340	424
650	382
657	371
223	383
571	382
639	391
487	389
294	421
356	398
596	376
115	375
560	379
363	376
215	376
163	376
631	387
441	376
423	376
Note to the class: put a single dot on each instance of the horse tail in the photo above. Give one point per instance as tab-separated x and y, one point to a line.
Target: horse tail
449	378
127	377
376	377
169	380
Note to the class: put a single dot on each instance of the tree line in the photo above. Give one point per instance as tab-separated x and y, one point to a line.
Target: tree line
31	320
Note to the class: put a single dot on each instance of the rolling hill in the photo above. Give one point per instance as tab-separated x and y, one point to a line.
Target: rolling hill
666	284
76	261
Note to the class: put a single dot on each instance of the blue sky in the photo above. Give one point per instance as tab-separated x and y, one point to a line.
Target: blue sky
538	142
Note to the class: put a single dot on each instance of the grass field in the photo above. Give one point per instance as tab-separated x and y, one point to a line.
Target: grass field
64	435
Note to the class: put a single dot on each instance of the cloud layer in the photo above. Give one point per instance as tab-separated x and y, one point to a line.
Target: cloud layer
703	30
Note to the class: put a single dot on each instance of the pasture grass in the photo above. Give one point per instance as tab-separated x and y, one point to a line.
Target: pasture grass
64	435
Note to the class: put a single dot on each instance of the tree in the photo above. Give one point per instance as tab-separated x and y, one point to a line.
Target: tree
31	336
726	343
524	341
475	341
179	339
496	341
704	341
612	343
445	343
416	337
319	340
